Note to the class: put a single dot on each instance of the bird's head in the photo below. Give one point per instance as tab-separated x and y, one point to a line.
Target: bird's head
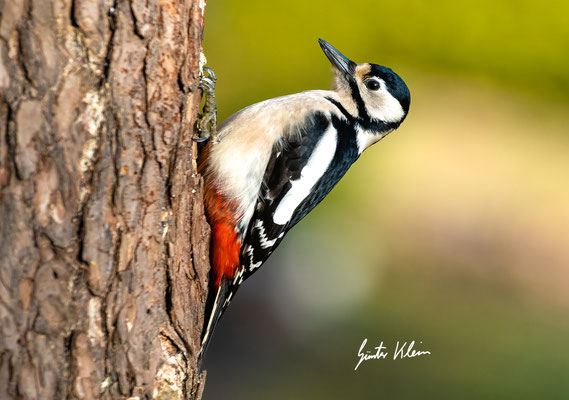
378	93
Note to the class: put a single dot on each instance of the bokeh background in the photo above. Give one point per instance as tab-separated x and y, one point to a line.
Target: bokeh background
452	231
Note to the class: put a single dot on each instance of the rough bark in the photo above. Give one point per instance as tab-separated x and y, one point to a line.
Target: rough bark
104	244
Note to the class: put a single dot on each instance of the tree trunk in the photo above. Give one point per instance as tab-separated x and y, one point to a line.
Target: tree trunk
104	243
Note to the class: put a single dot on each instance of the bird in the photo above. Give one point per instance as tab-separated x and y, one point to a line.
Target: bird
268	165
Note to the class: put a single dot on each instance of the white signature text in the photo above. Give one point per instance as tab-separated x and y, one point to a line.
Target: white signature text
402	350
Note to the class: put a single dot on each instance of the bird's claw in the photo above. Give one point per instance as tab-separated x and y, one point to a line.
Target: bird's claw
210	73
207	83
207	124
200	139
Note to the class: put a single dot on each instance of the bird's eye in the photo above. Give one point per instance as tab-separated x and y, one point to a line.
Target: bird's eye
372	84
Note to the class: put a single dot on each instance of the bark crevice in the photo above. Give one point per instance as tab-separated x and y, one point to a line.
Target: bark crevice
104	250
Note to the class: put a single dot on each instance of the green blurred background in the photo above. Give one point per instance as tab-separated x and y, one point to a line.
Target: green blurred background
453	231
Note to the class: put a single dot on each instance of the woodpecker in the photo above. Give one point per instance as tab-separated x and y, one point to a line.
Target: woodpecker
271	163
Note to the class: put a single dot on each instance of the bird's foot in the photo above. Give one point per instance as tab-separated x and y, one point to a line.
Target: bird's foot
207	124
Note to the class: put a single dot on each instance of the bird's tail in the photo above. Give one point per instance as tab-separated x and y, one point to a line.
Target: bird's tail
214	309
215	306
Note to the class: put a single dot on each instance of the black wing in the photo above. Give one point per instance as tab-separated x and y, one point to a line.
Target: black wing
287	161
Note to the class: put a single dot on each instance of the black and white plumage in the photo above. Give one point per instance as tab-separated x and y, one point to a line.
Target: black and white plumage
276	160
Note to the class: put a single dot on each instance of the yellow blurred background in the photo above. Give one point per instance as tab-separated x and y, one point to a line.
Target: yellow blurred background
452	231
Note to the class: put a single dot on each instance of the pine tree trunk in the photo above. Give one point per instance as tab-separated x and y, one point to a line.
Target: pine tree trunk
104	244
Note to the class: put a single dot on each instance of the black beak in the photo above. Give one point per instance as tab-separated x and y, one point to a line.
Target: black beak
338	60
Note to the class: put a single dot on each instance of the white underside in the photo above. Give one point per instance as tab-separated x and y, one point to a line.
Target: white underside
364	139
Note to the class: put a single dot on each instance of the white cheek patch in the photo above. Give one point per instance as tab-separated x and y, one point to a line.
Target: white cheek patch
389	110
316	167
381	105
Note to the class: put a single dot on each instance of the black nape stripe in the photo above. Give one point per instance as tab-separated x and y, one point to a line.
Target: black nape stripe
340	107
377	126
362	111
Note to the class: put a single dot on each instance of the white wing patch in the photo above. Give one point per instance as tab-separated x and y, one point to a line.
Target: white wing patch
317	164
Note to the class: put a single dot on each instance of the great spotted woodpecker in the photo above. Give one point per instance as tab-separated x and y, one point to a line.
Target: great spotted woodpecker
271	163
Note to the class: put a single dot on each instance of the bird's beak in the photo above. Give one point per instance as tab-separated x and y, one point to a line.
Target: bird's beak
338	60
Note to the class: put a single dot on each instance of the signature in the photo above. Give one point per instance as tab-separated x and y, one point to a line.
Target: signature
402	350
